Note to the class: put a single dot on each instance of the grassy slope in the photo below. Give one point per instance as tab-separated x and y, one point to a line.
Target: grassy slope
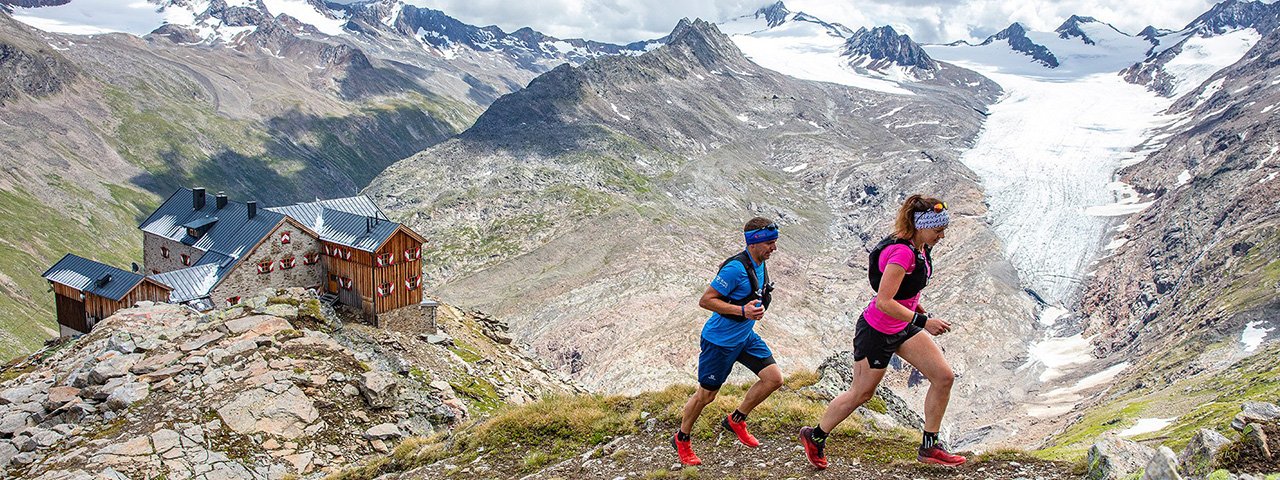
184	143
519	440
1194	379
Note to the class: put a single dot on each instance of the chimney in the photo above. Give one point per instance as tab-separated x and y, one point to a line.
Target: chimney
253	208
221	200
197	198
368	224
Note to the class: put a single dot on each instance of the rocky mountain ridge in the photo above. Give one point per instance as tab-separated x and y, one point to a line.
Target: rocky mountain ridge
1223	18
1016	36
277	387
882	47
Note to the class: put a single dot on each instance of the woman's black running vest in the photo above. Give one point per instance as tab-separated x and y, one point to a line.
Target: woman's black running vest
913	283
764	294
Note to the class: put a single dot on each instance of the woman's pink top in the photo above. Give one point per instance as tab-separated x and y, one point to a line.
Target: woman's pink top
901	255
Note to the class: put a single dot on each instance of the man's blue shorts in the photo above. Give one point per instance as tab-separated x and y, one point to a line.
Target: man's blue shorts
715	362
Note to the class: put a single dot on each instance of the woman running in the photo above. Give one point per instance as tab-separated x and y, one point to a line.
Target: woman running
899	268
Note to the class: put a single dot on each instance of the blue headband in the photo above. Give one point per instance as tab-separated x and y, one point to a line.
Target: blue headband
761	235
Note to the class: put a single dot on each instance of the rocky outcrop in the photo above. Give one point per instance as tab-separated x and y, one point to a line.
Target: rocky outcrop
1112	458
28	66
238	393
835	376
882	47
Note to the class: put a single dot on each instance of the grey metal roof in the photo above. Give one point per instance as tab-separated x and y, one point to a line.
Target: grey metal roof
359	205
352	230
225	244
190	283
84	275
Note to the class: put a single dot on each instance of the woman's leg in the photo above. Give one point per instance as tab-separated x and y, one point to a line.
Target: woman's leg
921	352
865	381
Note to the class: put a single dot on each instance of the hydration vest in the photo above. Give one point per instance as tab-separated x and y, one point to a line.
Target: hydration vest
764	292
912	284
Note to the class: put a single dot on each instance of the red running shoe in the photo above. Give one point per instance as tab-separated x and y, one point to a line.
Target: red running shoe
813	449
685	450
740	429
938	455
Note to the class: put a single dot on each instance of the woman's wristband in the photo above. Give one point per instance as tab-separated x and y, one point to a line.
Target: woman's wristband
744	311
918	319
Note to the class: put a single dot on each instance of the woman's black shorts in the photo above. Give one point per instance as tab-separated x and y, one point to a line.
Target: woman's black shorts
878	347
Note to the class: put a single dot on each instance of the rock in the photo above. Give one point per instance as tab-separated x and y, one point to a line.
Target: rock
498	336
1113	458
201	341
1162	466
154	362
25	444
1255	412
302	462
437	339
379	389
167	443
59	396
383	431
241	325
46	438
128	394
17	395
282	310
1254	436
442	386
12	423
1198	458
113	367
650	425
122	341
350	390
285	415
7	452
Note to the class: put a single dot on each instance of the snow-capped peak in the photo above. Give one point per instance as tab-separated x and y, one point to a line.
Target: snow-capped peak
1235	14
882	47
1076	26
774	14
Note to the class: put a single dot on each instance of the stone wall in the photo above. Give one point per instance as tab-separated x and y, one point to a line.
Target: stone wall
153	256
410	320
245	280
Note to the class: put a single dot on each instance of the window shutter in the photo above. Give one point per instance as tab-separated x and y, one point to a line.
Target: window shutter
284	237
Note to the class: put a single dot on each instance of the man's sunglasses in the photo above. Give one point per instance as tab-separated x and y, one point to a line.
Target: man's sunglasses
771	226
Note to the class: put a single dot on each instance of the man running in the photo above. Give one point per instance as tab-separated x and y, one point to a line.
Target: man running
738	297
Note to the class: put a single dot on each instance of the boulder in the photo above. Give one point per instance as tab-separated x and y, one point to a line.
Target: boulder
285	415
1255	412
7	452
282	310
1197	459
201	341
154	362
13	423
113	367
128	394
379	389
17	395
383	431
122	341
45	438
1162	466
1112	458
1255	437
59	396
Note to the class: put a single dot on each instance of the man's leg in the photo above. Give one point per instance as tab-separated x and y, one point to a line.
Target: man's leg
769	382
693	408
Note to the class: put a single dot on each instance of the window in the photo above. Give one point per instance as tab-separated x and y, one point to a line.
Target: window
311	258
284	237
233	301
265	267
413	282
164	252
386	289
385	259
287	263
186	260
413	254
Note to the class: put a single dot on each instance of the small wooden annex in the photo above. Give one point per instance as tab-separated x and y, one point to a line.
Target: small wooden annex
86	292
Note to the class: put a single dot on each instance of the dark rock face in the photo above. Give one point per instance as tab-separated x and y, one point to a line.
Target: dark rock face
38	73
1212	233
1071	28
775	14
1016	35
1222	18
33	3
887	47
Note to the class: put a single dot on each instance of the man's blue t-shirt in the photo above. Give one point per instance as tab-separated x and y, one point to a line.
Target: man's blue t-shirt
732	283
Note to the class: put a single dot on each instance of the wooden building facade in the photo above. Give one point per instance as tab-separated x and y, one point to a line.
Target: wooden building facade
85	292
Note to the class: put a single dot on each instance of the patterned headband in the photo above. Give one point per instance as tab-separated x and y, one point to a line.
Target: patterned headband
932	219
